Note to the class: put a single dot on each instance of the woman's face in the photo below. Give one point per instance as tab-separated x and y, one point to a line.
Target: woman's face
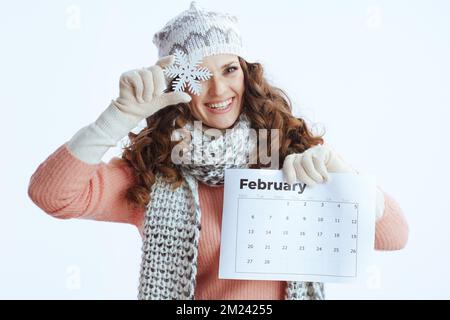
220	102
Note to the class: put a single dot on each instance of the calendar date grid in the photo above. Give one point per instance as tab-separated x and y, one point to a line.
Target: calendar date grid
314	235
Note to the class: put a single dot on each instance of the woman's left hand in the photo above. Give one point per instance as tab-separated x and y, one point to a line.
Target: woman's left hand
313	165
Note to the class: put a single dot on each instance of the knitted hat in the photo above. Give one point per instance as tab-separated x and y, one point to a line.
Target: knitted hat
199	33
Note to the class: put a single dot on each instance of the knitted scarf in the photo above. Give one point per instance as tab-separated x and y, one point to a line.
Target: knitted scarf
172	219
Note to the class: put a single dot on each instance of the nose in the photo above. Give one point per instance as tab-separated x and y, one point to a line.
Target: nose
217	86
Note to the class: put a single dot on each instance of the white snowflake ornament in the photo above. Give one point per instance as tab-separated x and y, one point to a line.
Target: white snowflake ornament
187	72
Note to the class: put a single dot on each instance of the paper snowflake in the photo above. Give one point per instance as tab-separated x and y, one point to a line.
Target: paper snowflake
187	72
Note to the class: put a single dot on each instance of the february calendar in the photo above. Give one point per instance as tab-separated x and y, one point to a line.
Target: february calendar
272	230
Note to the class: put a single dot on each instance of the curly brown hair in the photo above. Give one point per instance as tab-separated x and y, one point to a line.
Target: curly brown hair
267	107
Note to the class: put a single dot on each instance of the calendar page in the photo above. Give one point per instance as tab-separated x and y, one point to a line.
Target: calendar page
272	230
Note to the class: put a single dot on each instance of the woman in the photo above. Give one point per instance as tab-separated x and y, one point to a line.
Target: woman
170	202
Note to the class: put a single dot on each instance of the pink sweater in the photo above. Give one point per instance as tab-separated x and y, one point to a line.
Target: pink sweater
66	187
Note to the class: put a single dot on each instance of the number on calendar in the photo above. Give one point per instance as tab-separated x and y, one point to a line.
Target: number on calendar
317	229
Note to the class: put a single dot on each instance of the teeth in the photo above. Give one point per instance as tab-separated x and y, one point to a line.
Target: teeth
219	105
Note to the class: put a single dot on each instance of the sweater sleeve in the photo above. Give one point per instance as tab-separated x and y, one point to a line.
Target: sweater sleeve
65	187
391	231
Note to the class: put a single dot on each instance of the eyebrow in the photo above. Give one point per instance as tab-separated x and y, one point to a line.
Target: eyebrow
228	64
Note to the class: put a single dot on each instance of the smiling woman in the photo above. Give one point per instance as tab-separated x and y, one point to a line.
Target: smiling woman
171	204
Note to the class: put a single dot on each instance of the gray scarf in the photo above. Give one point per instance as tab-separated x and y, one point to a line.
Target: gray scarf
172	220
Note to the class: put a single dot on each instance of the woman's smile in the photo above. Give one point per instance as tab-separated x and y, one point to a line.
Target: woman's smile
220	107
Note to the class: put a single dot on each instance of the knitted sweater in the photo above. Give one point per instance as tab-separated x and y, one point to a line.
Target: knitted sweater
66	187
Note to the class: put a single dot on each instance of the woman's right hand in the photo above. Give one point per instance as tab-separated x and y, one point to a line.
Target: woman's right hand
142	91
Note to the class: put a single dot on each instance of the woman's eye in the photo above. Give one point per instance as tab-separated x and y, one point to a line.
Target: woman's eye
231	68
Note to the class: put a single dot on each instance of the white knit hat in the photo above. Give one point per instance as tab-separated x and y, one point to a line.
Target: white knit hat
197	32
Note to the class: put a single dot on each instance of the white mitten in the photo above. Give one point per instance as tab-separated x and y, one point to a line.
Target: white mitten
142	91
313	166
141	95
379	208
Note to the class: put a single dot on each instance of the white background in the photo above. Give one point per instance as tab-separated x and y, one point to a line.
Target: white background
374	74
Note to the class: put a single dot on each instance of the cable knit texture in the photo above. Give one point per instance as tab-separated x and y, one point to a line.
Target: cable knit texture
65	187
198	32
